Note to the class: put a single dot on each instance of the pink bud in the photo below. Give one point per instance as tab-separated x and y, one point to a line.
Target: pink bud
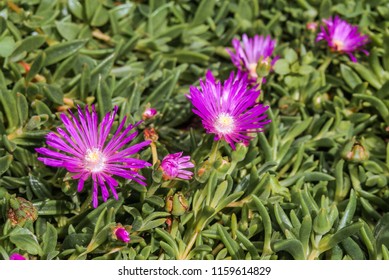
149	113
174	165
16	257
312	26
121	234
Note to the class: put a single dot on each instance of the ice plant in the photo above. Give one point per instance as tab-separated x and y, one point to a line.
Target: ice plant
16	257
253	53
149	113
343	37
229	110
122	234
173	166
86	150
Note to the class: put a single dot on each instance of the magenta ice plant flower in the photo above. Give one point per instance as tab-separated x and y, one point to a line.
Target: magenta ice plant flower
229	110
343	37
173	166
149	113
86	150
122	234
16	257
252	52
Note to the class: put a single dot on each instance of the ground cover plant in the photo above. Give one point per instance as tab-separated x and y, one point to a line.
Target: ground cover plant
202	130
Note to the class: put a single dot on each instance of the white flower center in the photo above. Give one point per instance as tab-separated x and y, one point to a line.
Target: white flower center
224	123
94	160
338	45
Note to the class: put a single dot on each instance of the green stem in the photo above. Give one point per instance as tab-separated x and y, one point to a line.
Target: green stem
217	249
154	153
325	64
314	254
240	203
259	87
142	197
214	152
190	245
315	251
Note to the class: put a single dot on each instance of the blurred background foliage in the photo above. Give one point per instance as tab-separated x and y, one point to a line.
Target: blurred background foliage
314	186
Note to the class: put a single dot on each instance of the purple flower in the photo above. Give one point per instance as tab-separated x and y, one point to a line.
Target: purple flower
342	37
254	50
122	234
229	110
16	257
149	113
86	150
173	166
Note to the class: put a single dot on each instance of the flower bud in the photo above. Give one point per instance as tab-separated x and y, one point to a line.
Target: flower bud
120	233
319	100
288	106
177	204
311	26
149	113
222	166
16	257
169	222
174	166
150	134
26	66
355	151
20	211
264	67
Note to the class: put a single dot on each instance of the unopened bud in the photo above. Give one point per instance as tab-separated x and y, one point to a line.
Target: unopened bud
224	166
21	211
169	221
120	233
355	151
149	113
16	257
312	26
150	134
25	66
288	106
177	204
319	100
264	67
